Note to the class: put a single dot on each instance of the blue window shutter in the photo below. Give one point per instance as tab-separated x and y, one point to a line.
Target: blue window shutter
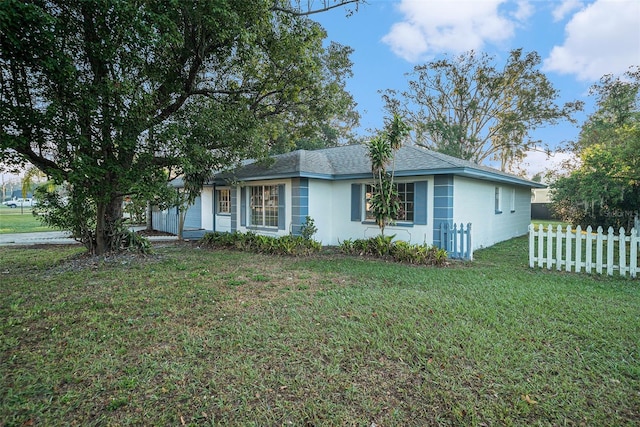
281	211
243	206
356	201
420	207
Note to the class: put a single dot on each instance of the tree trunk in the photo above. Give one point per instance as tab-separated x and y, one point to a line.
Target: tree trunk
108	225
149	217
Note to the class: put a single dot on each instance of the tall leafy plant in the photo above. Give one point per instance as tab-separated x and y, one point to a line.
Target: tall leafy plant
385	201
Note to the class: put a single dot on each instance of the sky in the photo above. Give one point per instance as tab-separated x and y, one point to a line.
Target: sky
579	41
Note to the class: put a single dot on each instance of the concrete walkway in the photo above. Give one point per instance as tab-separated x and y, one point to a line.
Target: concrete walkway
55	238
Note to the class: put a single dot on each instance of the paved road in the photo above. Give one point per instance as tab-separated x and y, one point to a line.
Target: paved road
53	238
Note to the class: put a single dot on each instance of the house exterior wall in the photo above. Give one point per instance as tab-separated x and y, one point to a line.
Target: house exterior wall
207	208
193	216
475	202
331	209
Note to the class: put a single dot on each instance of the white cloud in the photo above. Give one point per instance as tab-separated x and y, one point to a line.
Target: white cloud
565	8
603	38
436	26
539	162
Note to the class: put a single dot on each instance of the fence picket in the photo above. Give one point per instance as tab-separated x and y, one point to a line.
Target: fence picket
540	245
532	229
599	240
588	248
578	263
456	241
569	257
633	252
549	247
622	251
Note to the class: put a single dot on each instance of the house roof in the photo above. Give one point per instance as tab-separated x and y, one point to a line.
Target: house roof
352	162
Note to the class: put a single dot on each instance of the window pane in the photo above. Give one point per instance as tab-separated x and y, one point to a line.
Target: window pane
256	206
224	201
271	206
368	192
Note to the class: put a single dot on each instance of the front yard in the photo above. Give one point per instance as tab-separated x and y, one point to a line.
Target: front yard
196	337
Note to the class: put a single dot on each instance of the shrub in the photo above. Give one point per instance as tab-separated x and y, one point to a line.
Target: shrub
400	251
284	245
308	229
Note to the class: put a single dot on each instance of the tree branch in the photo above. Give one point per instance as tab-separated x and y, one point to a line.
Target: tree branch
326	7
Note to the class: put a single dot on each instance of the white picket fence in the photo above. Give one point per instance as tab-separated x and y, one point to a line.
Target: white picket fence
585	250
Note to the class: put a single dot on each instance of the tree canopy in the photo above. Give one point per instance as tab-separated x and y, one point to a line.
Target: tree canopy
469	108
115	97
604	189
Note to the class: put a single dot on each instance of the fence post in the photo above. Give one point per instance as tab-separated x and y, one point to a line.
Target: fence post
531	244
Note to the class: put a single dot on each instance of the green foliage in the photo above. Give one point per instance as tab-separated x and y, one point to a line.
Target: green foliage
115	98
67	213
385	201
308	229
400	251
137	210
257	243
604	190
469	108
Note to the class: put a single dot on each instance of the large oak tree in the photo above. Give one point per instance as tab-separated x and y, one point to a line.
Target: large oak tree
114	97
470	108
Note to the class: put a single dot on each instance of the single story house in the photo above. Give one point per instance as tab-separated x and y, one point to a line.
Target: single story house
333	186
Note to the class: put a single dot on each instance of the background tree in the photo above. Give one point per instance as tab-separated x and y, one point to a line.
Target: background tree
468	108
114	98
604	189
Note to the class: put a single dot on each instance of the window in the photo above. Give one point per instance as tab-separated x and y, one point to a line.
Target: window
513	200
263	206
406	194
498	201
223	198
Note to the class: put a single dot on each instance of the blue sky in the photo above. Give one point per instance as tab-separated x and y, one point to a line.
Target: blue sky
578	40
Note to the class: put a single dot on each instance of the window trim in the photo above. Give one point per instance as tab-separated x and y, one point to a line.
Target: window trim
498	200
397	222
220	200
513	200
273	197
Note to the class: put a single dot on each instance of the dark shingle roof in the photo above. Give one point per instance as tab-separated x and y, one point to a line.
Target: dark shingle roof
352	161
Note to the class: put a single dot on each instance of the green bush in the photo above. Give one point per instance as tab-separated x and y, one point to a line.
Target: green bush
251	242
400	251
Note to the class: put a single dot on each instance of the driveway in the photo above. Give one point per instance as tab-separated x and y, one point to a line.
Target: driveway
54	238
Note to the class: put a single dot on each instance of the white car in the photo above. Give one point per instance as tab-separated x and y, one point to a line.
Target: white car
27	203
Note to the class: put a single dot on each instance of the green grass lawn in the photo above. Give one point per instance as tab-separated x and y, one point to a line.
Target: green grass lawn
17	220
196	337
